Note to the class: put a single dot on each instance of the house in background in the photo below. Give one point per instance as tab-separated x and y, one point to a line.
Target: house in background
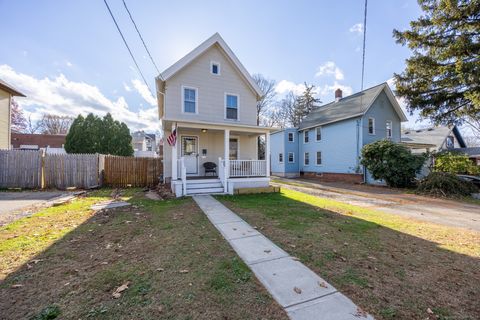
207	106
6	94
328	142
434	139
144	144
51	143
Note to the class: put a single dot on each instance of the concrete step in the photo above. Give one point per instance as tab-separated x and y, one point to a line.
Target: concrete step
204	191
199	181
204	185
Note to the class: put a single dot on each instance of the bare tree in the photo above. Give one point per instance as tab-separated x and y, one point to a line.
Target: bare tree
472	141
32	126
18	121
53	124
474	124
265	103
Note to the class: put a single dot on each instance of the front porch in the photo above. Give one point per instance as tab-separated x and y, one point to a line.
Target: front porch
217	159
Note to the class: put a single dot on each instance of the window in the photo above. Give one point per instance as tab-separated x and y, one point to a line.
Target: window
450	142
231	105
388	128
233	150
215	68
318	131
319	158
290	137
371	125
306	159
291	157
189	100
280	157
305	136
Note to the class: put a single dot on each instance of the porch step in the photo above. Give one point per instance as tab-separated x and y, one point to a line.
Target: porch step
204	186
204	190
212	184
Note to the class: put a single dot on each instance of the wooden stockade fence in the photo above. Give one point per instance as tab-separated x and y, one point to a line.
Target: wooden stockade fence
130	171
34	170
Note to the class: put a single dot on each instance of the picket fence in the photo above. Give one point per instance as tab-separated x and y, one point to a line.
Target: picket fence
35	170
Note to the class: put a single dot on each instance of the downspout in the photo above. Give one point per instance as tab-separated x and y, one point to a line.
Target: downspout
359	125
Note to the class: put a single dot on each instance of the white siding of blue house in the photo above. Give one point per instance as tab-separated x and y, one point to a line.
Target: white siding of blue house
338	146
277	146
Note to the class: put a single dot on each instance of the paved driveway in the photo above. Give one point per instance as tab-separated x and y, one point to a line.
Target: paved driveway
441	211
13	202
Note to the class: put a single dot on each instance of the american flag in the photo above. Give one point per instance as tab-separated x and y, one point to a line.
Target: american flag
172	138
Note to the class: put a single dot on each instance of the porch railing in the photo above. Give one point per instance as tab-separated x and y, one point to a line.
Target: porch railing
222	174
248	168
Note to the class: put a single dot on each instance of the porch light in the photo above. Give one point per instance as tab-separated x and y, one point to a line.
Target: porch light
204	130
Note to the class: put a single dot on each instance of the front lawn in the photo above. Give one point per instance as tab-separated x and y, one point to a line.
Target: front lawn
393	267
69	261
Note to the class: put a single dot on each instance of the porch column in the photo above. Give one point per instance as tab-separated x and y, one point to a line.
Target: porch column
227	153
174	157
267	152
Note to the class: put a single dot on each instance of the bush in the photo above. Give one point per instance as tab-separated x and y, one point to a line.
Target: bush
455	163
392	162
441	184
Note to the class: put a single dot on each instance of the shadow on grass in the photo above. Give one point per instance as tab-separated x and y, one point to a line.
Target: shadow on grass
390	266
176	266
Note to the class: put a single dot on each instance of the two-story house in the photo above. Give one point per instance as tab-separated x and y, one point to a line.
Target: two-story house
207	105
328	142
144	144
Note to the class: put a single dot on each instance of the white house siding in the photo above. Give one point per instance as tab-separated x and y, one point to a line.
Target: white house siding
211	91
4	120
278	141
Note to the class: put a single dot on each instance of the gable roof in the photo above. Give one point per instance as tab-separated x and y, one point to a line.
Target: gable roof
469	151
434	136
352	106
10	89
216	39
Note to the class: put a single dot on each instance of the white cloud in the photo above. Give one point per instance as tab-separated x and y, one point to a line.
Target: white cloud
143	90
285	86
69	64
61	96
330	68
127	87
356	28
326	92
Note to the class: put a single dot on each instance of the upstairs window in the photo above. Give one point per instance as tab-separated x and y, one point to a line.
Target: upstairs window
290	137
306	159
305	136
450	142
231	105
371	125
189	100
280	157
215	68
388	129
318	132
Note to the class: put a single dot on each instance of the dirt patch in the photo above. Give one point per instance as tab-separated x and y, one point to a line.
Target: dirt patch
169	259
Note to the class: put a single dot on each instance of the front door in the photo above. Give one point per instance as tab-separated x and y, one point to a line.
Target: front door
190	153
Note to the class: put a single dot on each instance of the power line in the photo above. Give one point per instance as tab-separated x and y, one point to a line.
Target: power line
364	39
141	38
128	48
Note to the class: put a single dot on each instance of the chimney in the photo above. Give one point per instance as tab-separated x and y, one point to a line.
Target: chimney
338	95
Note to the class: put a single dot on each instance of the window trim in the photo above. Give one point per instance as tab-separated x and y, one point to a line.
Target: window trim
305	158
225	106
316	158
183	99
219	67
280	154
391	129
373	126
306	135
293	157
288	137
316	134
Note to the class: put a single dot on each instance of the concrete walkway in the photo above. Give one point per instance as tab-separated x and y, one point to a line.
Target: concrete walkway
301	292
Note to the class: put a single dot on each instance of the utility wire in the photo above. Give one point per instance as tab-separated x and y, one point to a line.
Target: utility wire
364	39
128	48
141	38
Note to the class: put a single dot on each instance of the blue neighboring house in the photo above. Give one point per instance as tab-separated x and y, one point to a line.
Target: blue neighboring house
329	140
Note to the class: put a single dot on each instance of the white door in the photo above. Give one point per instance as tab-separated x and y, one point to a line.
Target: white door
190	153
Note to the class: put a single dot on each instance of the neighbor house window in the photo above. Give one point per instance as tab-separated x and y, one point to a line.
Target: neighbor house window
215	68
190	100
450	142
305	136
290	137
388	128
318	132
306	159
319	158
231	105
291	157
280	157
371	125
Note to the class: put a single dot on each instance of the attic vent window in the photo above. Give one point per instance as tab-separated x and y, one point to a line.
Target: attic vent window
215	68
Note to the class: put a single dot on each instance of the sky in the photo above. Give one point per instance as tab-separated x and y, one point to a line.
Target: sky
68	57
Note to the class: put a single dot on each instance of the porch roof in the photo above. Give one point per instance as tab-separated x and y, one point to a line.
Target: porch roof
217	126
